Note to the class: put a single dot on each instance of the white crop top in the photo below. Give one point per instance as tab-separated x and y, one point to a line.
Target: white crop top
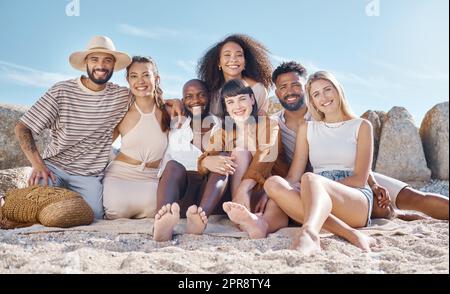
332	146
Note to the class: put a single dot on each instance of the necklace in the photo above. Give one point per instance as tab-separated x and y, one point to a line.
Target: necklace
334	125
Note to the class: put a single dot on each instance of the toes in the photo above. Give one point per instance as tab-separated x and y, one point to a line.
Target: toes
175	208
227	206
192	209
199	210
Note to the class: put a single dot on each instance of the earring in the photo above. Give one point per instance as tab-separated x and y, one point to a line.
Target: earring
220	68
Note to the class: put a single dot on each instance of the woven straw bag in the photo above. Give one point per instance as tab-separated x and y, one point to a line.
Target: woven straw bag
49	206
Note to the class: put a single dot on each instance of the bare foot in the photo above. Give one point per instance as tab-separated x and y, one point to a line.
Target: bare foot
165	220
307	242
196	220
254	225
363	241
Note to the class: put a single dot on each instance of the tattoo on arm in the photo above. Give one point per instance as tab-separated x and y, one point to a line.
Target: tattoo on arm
26	140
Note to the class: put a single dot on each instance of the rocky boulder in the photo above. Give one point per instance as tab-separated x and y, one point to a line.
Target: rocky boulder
11	154
400	153
434	134
377	119
13	178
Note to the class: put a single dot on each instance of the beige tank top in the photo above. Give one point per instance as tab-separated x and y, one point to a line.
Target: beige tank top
145	142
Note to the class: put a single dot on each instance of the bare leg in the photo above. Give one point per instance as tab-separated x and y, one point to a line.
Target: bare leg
243	159
213	193
288	199
431	204
165	220
172	184
275	217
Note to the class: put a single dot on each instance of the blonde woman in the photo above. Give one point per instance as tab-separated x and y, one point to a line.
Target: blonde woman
339	147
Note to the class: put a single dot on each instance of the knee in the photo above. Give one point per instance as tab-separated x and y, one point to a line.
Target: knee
241	154
272	185
174	169
307	178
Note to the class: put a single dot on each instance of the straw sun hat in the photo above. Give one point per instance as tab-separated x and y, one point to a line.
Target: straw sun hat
100	44
49	206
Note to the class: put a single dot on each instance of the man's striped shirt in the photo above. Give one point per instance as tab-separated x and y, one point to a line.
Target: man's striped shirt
81	123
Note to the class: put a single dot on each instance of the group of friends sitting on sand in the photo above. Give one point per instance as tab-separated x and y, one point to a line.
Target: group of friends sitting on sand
216	150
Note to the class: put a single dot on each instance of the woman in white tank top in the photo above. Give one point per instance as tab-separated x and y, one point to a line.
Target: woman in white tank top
339	146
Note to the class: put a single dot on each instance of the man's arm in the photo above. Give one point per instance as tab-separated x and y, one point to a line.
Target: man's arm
28	145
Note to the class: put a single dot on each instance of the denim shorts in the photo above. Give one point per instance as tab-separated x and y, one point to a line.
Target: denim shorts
337	175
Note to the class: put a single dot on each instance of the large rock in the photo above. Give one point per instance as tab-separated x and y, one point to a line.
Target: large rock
11	154
434	134
13	178
377	119
401	154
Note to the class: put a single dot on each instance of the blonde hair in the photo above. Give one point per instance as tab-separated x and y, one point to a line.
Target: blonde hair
343	103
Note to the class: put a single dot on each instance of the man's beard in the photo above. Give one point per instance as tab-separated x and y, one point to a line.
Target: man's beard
205	112
99	81
293	106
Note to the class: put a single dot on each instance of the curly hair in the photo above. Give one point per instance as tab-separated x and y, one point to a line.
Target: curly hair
257	62
158	92
287	67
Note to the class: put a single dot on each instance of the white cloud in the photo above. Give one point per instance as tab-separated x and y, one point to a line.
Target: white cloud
155	33
409	72
26	76
189	66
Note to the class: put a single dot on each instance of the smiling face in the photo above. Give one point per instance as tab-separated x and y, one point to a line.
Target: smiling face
324	97
232	60
141	79
100	67
240	107
289	90
195	98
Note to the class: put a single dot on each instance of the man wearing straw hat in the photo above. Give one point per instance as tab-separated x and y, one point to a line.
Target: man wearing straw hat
81	114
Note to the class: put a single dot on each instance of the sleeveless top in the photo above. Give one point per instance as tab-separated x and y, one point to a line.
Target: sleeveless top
332	146
146	141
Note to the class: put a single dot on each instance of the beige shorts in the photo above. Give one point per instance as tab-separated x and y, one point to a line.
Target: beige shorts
129	191
392	185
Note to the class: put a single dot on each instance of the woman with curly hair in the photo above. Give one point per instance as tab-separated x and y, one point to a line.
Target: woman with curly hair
237	57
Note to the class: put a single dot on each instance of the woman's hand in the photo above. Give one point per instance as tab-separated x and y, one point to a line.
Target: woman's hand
175	109
223	165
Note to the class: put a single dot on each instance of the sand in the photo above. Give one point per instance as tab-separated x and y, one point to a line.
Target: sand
125	246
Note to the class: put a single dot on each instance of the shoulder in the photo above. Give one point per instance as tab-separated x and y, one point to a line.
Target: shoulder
118	89
277	115
251	82
303	126
64	85
259	88
364	124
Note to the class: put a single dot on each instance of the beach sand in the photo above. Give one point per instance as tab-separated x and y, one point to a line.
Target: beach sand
125	246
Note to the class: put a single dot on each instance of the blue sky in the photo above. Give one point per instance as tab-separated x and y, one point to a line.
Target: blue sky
397	58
